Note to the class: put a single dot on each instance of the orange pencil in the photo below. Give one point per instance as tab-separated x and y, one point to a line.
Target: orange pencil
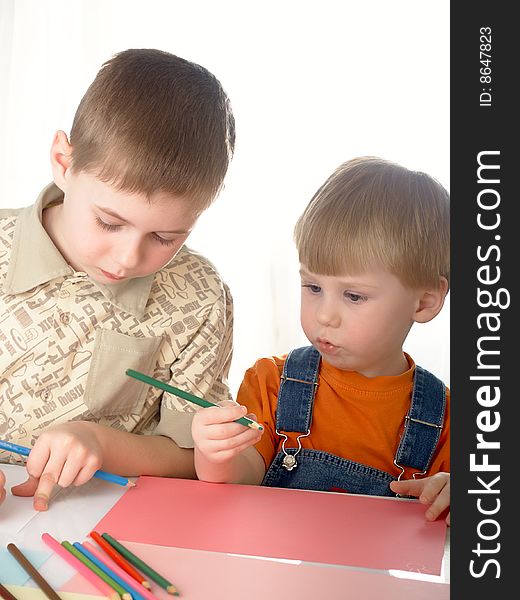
118	559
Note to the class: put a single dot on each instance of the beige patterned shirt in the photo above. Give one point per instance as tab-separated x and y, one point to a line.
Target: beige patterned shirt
66	341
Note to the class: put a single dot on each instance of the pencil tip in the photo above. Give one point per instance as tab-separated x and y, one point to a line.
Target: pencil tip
171	590
130	484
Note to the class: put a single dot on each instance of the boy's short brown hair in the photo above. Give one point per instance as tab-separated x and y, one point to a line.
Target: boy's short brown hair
154	122
374	213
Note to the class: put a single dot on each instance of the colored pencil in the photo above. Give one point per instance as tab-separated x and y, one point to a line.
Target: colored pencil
118	558
134	587
189	397
10	447
141	565
108	571
94	568
6	594
80	567
31	570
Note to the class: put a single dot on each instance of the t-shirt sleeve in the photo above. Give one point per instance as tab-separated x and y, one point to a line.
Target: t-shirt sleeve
201	369
258	392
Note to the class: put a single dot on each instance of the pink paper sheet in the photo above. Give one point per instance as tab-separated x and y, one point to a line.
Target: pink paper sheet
202	575
341	529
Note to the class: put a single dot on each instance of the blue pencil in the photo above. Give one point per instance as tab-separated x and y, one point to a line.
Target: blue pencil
101	565
10	447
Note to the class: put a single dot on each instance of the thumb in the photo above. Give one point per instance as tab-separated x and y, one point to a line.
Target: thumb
27	488
407	487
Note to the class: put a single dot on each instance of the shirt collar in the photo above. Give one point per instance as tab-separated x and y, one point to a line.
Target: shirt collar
35	260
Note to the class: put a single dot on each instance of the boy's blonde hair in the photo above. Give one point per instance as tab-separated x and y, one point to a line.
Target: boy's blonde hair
374	213
154	122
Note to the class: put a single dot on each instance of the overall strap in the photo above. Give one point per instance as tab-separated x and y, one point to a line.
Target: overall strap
423	423
297	389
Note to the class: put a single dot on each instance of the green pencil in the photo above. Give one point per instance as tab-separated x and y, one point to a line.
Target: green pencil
190	397
95	569
142	566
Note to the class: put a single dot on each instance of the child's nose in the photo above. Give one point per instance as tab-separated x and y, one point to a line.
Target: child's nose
328	316
128	253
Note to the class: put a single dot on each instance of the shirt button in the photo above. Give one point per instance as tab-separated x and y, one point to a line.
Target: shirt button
45	394
64	294
65	318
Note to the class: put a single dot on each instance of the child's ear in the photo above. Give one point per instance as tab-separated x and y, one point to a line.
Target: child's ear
431	301
61	155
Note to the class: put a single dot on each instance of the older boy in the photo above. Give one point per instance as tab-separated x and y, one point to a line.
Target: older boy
352	412
2	488
95	279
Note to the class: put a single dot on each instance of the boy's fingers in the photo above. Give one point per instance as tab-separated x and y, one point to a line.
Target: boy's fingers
440	504
225	414
434	491
69	473
228	431
84	474
38	460
407	487
228	453
227	403
223	450
25	489
427	490
44	490
230	441
2	488
47	480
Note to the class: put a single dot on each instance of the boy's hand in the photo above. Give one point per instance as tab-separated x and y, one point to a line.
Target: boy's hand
218	437
67	454
2	487
434	491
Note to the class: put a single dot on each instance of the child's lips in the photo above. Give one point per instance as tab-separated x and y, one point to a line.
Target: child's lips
325	346
111	275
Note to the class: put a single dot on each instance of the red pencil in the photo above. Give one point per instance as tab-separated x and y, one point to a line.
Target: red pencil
6	594
118	559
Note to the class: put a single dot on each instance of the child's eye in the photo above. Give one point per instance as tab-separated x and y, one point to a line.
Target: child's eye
355	298
106	226
162	240
314	289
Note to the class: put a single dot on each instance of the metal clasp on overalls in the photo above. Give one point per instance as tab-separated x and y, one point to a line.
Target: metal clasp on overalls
289	460
419	473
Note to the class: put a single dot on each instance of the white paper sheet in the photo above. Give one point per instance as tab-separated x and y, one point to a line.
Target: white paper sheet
72	513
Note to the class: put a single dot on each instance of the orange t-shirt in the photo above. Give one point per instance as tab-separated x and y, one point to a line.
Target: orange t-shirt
355	417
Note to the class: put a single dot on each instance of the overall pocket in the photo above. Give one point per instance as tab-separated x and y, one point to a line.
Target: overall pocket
109	391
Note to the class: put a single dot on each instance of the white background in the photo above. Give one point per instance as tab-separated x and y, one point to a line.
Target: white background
312	84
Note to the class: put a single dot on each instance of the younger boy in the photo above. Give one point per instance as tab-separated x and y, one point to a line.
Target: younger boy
95	279
352	412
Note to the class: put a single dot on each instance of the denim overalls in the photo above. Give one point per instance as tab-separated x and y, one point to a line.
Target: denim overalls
318	470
